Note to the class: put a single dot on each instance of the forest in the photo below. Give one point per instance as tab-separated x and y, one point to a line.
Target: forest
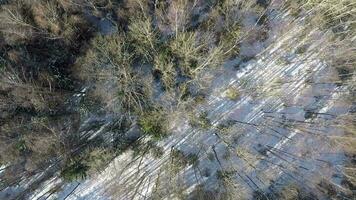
178	99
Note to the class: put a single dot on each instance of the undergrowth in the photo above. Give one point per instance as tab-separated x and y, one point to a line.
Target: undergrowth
156	64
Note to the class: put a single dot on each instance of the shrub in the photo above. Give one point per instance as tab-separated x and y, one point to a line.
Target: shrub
46	15
301	49
109	65
224	175
97	160
154	123
178	161
21	146
289	192
201	121
195	51
141	148
199	99
14	25
74	170
213	57
232	94
179	15
144	37
157	151
225	127
186	47
230	38
163	64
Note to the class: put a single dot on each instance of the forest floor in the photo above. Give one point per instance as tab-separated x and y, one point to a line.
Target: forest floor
277	130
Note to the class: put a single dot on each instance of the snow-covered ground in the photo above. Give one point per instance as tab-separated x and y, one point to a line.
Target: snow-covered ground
277	135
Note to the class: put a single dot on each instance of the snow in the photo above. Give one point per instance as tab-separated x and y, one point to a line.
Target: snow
269	115
260	96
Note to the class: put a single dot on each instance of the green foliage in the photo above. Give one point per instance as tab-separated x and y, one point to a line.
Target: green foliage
301	49
225	175
97	160
199	99
181	41
74	170
21	146
225	127
232	94
202	121
154	123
